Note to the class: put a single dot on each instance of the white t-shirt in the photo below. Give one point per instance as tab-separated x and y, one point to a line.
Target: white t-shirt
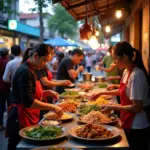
137	89
11	68
88	61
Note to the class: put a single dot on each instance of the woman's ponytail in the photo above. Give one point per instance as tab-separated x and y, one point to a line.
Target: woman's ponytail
137	59
26	54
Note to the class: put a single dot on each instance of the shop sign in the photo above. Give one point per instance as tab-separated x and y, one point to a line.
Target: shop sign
12	24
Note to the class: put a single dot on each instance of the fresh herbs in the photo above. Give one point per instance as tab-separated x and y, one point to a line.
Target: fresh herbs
70	93
103	85
85	109
41	132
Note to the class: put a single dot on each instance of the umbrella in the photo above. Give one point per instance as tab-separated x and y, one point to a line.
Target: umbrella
59	42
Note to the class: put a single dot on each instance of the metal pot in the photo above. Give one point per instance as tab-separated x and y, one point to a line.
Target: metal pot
87	76
99	79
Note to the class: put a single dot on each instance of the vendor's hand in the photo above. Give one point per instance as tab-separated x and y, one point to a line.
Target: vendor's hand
100	68
106	109
110	78
94	97
111	87
58	110
81	68
53	94
100	64
66	82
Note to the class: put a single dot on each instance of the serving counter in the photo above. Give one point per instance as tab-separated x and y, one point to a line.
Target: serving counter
118	143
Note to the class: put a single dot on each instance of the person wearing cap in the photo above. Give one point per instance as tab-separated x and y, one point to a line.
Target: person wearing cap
4	87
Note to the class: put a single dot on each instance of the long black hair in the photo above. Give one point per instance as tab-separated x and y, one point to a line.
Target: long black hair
41	49
124	48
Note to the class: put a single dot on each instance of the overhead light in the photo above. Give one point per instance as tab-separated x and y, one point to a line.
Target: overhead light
97	33
118	14
85	41
107	29
93	42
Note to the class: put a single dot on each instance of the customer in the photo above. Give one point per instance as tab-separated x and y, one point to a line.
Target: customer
133	93
13	65
111	69
66	69
4	87
59	57
27	93
88	62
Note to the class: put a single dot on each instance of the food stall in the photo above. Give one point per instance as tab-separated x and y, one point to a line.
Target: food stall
80	116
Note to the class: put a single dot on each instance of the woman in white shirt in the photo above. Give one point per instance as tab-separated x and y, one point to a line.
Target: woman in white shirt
133	93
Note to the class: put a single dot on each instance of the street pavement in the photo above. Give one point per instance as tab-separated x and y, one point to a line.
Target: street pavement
3	140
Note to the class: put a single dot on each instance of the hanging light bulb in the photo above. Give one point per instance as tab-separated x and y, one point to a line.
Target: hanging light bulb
118	14
107	29
93	42
97	33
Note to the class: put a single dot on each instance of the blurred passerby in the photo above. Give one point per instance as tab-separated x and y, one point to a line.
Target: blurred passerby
111	68
88	60
13	65
55	65
4	87
94	59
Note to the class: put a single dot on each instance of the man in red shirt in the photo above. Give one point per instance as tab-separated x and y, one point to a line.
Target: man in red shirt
4	87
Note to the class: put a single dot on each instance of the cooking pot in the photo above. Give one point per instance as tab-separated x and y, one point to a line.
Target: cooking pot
99	79
87	76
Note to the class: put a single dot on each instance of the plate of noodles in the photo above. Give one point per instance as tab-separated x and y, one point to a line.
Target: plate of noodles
96	117
92	132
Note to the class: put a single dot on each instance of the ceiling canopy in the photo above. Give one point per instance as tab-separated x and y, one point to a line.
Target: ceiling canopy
103	9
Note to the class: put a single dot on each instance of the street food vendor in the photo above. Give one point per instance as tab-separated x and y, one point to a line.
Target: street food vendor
45	76
133	93
66	69
27	94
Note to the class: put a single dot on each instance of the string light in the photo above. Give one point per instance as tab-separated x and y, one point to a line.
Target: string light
97	33
118	14
93	42
107	29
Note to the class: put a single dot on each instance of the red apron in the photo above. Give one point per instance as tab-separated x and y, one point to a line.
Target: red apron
49	76
29	116
126	117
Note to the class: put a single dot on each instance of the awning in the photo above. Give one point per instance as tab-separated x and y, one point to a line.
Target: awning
103	9
58	41
26	29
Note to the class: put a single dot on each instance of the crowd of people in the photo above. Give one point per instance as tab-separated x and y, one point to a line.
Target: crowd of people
28	86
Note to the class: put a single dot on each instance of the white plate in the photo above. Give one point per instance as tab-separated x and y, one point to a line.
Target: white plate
73	89
68	96
114	130
23	134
